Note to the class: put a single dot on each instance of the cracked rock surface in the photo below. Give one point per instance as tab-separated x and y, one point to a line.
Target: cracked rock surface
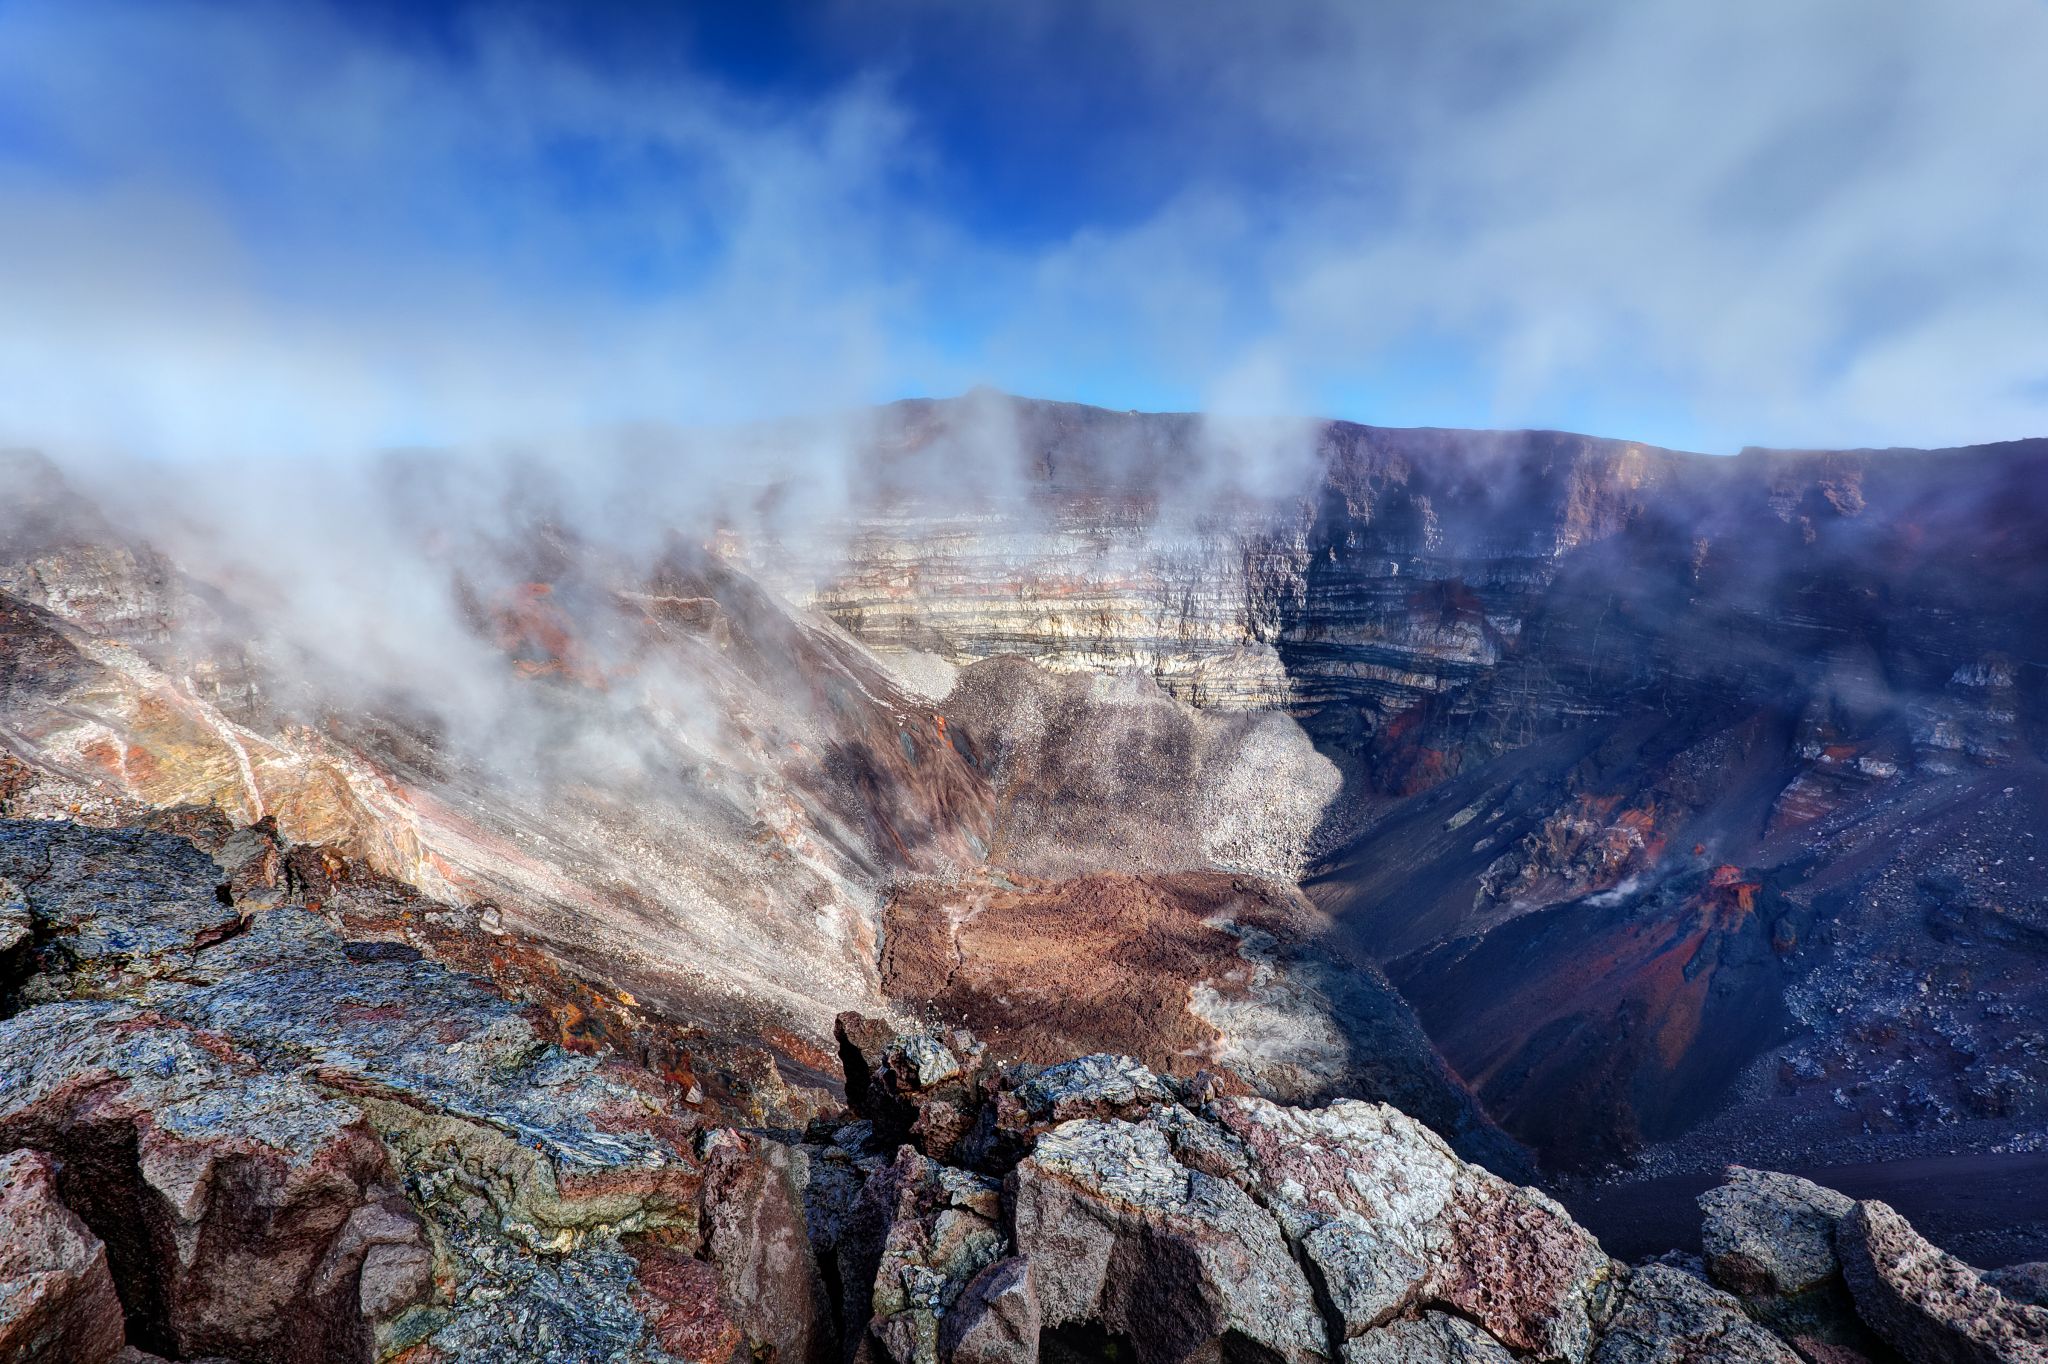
228	1131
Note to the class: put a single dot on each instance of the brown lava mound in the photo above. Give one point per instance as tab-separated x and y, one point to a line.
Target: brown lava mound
1052	969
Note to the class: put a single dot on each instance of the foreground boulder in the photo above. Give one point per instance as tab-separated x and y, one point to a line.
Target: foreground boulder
1771	1235
1390	1220
1770	1240
1669	1317
1929	1305
299	1148
1120	1235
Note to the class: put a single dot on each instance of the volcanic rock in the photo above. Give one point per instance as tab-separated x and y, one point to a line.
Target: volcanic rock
57	1298
2027	1283
1391	1219
1770	1234
1430	1338
1927	1304
1122	1235
918	1235
996	1319
1667	1316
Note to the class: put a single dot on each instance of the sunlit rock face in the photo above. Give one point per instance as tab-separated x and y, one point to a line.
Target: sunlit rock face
1677	789
673	774
1426	599
1688	800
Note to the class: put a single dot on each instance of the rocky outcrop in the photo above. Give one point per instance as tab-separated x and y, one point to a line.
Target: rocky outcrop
1391	1221
1122	1236
300	1147
1771	1235
227	1130
1928	1304
1669	1317
57	1299
1167	1214
1770	1240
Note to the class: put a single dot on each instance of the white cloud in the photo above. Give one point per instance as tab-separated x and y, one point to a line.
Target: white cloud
1705	223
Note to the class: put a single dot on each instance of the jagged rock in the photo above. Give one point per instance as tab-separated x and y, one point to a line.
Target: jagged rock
997	1319
1099	1086
756	1235
917	1235
1121	1235
221	1188
296	1150
253	861
1391	1219
1928	1305
1766	1233
1770	1239
913	1087
57	1299
1667	1316
1431	1338
119	909
295	1147
15	925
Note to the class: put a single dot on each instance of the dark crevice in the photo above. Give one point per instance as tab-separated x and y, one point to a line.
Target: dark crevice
1084	1343
100	1179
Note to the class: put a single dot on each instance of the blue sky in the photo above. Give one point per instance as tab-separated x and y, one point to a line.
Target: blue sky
259	227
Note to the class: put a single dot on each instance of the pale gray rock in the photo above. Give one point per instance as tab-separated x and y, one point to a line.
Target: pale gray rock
1766	1233
997	1320
1121	1235
1431	1338
1391	1220
1669	1317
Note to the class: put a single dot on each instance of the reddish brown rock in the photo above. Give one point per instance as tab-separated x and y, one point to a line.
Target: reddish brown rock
755	1233
917	1235
238	1207
679	1297
57	1299
1391	1220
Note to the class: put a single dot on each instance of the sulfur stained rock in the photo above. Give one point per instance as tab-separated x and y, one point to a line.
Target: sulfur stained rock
1667	1316
1121	1235
1929	1306
298	1151
1390	1220
57	1299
